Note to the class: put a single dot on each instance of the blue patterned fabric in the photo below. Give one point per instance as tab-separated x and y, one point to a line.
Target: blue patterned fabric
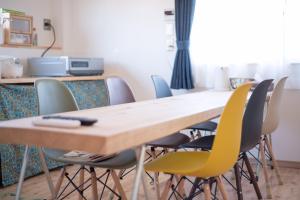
182	72
89	94
18	101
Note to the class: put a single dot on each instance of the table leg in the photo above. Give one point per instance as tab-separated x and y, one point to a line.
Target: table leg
47	173
22	174
140	155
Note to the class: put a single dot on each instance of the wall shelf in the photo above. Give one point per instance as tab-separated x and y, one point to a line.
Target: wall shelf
30	80
28	47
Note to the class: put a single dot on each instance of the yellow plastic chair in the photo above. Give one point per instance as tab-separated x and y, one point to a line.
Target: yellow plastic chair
206	165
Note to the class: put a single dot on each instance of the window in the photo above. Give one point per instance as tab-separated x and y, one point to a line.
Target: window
252	37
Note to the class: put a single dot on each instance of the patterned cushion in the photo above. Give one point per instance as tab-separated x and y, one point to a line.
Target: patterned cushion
18	101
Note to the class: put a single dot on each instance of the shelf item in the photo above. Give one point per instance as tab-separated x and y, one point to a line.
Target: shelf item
11	70
15	12
17	29
34	37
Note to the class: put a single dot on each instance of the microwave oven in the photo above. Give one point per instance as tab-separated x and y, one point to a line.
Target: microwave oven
65	66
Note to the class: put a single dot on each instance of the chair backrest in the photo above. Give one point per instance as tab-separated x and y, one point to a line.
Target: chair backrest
226	146
253	116
272	117
54	97
162	88
118	91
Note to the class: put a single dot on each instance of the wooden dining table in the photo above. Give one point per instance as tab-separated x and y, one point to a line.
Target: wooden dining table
120	127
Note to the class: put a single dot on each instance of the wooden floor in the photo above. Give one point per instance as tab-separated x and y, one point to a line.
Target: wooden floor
36	188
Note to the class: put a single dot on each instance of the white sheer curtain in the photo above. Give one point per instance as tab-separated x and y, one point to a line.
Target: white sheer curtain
253	38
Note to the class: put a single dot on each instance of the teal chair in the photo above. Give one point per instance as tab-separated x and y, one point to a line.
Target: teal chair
55	97
163	90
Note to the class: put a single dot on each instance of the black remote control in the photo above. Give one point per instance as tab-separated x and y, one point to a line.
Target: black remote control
84	121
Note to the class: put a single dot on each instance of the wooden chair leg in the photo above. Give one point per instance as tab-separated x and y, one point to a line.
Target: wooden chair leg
94	184
59	181
118	184
156	181
238	182
81	181
111	196
252	176
192	134
221	188
167	188
270	140
274	161
258	164
180	186
194	188
206	189
265	169
199	134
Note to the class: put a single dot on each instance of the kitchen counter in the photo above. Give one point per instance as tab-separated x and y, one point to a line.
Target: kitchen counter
30	80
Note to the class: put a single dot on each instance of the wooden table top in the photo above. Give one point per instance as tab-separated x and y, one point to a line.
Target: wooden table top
122	126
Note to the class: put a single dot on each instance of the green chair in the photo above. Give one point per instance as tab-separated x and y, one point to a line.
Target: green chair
55	97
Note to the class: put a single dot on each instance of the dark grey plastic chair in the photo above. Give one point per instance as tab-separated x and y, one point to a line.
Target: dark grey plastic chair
55	97
162	90
251	133
118	91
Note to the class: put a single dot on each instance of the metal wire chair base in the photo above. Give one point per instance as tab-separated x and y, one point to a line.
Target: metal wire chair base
197	188
87	183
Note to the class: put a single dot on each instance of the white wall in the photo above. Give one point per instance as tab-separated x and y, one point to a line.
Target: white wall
129	35
286	138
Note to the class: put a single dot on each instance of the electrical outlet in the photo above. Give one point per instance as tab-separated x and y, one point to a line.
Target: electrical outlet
47	27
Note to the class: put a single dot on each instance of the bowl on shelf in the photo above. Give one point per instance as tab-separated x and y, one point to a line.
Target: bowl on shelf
236	81
10	68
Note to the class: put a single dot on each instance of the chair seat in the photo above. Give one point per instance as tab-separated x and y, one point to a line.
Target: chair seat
122	160
204	143
205	126
172	141
181	163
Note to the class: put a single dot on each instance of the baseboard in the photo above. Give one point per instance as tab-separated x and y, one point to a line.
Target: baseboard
281	163
289	164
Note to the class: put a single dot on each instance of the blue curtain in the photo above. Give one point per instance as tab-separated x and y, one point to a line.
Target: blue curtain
182	73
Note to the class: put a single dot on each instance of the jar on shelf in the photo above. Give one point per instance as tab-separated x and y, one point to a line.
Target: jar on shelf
1	34
34	37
